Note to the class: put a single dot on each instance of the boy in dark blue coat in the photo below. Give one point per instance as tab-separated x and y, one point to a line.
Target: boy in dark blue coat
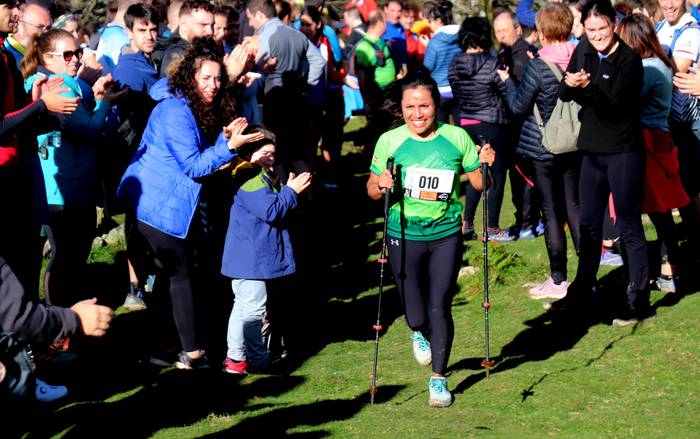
257	247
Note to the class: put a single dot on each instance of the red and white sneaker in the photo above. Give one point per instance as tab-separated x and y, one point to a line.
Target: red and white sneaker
549	290
235	367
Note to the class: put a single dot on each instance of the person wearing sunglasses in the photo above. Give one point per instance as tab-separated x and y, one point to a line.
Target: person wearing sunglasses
68	162
33	20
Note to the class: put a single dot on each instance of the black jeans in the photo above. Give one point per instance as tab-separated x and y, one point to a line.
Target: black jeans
499	138
623	175
426	274
557	182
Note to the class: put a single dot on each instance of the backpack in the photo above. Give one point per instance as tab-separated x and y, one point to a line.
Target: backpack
560	133
684	108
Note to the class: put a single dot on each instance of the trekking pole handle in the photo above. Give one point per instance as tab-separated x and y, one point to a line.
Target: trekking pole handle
481	141
390	165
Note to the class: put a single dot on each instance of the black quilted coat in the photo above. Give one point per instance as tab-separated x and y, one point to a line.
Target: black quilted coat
479	92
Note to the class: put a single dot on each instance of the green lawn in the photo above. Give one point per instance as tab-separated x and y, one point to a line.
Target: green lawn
572	377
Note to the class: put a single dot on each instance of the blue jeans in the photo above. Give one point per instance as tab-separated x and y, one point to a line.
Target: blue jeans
244	336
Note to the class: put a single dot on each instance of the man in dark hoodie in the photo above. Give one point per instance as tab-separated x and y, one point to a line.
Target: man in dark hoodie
196	21
137	71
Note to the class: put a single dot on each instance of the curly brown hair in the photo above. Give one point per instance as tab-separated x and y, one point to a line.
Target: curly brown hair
210	117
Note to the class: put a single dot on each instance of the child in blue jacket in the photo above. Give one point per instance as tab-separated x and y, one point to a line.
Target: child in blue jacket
257	247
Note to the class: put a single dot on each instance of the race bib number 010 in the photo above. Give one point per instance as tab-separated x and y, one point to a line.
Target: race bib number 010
429	184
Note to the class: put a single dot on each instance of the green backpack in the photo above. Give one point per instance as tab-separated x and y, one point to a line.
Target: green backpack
560	133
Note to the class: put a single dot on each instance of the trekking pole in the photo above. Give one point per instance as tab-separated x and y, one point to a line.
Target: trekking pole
487	362
382	262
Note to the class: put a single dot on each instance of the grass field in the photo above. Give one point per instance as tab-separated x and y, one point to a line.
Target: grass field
554	377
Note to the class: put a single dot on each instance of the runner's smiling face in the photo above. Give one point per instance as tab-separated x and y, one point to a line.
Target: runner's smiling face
208	80
419	111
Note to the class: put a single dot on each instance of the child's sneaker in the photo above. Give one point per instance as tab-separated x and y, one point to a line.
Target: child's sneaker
440	395
185	362
549	290
48	393
235	367
421	349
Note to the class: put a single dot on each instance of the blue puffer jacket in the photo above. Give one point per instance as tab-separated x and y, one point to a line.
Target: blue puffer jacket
539	85
257	242
67	156
160	183
439	53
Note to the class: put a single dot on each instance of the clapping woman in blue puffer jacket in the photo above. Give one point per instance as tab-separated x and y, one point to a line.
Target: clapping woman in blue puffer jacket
183	142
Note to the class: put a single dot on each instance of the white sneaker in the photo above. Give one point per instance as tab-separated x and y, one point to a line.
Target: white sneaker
421	349
48	393
440	395
549	290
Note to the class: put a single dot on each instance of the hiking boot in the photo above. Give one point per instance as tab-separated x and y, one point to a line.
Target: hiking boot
498	235
421	349
549	290
134	302
440	395
666	284
610	259
48	393
185	362
235	367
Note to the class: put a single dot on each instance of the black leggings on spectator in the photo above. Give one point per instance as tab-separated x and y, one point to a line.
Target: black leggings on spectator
499	138
664	225
623	175
557	182
426	275
70	231
172	258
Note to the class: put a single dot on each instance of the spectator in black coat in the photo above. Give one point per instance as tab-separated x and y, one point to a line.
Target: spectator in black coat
555	176
479	94
605	76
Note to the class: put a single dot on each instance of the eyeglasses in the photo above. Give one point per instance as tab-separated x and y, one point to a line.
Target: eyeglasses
39	27
68	54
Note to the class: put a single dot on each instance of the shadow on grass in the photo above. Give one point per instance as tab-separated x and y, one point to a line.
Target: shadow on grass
554	332
276	422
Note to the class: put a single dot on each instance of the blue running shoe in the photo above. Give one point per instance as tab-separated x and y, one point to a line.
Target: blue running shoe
421	349
539	230
498	235
440	395
526	234
610	259
48	393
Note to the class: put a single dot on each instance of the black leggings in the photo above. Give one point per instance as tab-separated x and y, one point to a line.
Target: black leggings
499	139
172	258
426	274
70	231
664	225
557	182
623	175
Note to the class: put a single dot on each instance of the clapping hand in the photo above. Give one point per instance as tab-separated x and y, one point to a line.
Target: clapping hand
299	183
234	133
49	91
580	79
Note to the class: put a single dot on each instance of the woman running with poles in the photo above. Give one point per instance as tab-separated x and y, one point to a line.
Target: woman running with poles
424	223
